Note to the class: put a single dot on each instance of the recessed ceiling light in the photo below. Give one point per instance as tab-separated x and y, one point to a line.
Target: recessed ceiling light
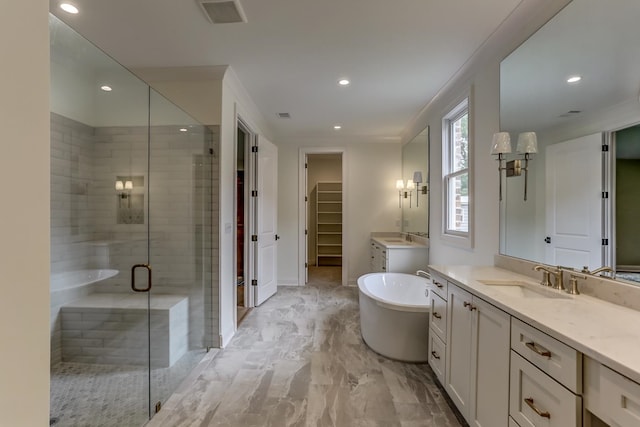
337	127
183	129
574	79
106	88
344	82
69	8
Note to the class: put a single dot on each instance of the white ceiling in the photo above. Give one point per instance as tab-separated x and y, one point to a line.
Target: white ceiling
291	53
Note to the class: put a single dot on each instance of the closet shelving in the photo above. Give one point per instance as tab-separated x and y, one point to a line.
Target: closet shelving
328	223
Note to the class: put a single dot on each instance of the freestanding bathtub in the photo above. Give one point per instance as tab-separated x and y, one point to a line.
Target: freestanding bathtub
394	315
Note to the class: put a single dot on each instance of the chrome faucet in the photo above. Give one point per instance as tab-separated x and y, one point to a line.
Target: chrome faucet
558	282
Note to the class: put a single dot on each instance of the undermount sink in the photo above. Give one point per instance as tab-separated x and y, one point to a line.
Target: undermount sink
395	241
523	290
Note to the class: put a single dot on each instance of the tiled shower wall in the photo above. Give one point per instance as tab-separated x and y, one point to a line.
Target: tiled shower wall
182	215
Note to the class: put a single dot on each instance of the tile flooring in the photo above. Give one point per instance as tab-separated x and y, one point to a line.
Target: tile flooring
299	360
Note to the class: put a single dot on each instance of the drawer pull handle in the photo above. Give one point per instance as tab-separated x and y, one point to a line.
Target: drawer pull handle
543	414
435	355
437	316
470	306
438	284
533	347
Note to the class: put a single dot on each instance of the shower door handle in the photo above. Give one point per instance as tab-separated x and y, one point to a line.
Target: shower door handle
133	277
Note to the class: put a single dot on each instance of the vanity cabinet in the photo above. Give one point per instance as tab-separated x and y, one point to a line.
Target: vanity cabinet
477	357
438	325
546	379
611	397
400	259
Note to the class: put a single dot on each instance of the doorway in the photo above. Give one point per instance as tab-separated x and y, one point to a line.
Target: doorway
324	217
243	295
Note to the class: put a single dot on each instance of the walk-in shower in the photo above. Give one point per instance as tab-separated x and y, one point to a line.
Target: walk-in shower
133	237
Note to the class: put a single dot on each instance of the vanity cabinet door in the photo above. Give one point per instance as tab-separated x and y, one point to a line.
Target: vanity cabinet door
477	359
489	403
458	352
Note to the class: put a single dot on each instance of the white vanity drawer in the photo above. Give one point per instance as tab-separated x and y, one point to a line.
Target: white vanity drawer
512	423
559	360
621	398
438	320
438	285
436	356
537	400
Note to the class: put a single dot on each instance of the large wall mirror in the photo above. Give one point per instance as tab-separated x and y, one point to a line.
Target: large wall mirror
576	83
415	167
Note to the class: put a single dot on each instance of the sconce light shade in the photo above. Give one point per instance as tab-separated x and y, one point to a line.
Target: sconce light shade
501	143
119	186
527	143
410	185
400	184
417	177
128	185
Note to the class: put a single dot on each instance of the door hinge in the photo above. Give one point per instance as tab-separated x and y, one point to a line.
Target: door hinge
605	147
254	148
306	265
547	239
605	242
605	194
306	232
210	150
254	193
306	166
254	237
254	282
306	199
158	407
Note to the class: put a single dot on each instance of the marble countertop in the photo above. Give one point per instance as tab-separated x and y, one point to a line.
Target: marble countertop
603	331
392	242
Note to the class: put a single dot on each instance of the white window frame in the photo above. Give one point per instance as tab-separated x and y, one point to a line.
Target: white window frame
456	237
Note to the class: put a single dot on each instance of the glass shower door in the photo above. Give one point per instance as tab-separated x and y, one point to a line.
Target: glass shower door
180	246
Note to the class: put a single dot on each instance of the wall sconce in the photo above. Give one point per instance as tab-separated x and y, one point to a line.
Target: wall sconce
124	189
400	188
501	145
405	192
417	179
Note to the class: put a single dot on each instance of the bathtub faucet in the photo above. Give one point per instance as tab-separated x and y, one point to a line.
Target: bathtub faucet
423	273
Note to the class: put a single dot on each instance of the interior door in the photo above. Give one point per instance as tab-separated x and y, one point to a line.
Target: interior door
266	220
574	202
306	216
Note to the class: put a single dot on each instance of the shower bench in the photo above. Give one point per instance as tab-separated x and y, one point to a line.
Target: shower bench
112	328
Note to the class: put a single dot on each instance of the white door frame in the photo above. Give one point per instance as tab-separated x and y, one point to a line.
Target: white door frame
302	215
248	216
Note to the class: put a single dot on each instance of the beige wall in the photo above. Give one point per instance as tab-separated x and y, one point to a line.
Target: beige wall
24	220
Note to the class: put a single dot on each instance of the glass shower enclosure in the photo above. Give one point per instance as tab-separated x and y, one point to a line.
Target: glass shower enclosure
132	239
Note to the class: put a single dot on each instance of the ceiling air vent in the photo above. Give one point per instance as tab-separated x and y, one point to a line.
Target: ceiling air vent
284	115
223	11
571	113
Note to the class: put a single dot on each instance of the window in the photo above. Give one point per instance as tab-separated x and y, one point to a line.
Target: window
455	171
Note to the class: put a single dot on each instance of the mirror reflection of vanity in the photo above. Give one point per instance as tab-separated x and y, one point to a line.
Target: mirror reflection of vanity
415	165
583	203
